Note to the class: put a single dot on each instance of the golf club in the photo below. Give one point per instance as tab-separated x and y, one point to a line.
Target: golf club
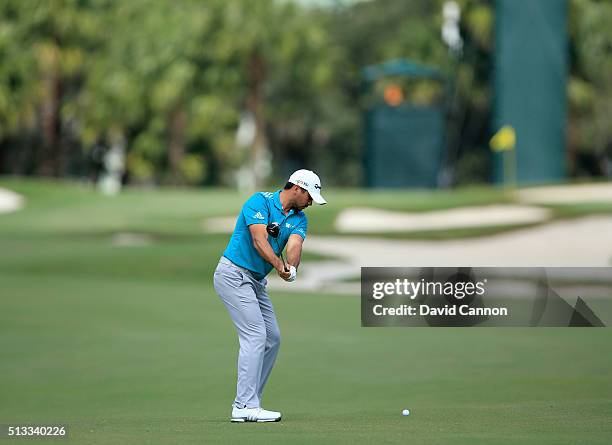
273	230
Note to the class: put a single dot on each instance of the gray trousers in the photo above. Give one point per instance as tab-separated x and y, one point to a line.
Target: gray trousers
251	310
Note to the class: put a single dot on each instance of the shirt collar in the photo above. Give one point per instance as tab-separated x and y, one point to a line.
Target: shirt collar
279	205
277	201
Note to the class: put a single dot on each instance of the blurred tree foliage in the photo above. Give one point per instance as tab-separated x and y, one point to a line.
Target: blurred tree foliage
173	78
590	88
372	32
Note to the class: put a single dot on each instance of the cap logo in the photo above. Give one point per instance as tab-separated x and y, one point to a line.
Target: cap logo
317	186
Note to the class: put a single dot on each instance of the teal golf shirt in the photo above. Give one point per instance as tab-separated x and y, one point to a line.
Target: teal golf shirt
262	208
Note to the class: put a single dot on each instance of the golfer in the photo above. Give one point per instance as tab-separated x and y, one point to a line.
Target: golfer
240	281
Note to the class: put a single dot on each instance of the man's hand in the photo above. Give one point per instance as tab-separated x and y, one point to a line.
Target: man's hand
285	274
292	274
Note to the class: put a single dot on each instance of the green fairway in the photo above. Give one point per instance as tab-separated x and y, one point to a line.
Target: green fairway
77	209
147	361
131	345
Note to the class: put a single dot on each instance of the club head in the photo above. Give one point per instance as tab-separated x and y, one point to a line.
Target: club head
273	229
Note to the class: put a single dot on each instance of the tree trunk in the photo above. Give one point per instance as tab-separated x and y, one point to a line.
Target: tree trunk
49	156
259	150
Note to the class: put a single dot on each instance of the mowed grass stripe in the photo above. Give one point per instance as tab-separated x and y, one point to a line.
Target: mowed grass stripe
145	361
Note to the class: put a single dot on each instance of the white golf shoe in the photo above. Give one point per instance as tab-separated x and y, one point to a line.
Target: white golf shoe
254	415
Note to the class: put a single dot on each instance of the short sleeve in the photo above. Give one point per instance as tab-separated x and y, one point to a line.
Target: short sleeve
256	210
301	228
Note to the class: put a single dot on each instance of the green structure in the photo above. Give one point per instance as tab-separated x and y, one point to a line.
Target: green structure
530	87
404	142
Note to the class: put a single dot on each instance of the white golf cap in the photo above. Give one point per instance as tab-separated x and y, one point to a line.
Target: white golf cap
309	181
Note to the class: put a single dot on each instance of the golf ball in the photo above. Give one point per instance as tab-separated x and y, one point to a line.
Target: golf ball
406	412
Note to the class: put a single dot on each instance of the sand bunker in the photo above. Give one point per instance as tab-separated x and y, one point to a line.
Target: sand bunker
10	201
567	194
368	220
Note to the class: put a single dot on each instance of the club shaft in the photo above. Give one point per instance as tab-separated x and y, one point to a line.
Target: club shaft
281	254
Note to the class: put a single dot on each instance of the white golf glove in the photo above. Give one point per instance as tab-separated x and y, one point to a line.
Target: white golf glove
293	272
